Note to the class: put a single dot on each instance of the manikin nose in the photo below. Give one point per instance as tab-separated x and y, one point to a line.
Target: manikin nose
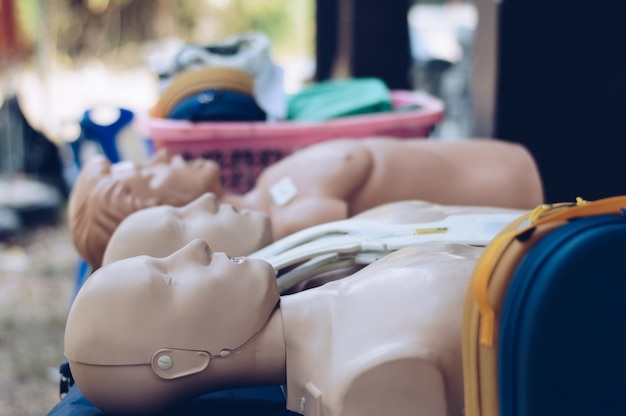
196	251
207	201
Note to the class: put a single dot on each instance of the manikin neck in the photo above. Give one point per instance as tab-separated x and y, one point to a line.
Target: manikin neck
261	361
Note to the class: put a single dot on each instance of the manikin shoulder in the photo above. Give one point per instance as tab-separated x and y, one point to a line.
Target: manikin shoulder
328	170
326	159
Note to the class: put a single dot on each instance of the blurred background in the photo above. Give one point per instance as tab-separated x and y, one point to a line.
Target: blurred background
57	54
549	75
60	58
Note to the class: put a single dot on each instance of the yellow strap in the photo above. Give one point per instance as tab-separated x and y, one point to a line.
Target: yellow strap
482	274
543	214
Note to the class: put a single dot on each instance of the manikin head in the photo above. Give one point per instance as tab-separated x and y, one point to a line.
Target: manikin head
160	231
143	333
106	193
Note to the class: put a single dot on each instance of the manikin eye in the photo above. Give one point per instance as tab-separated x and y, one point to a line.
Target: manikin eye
163	273
179	218
175	217
238	260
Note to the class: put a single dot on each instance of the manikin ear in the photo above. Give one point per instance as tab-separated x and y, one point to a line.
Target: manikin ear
169	363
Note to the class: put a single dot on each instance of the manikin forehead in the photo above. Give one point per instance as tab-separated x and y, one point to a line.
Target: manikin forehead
143	276
130	275
175	163
151	226
128	168
158	213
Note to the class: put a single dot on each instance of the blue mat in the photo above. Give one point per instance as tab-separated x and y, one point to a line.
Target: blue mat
258	401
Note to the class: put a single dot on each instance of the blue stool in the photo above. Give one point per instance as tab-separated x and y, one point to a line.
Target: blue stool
104	135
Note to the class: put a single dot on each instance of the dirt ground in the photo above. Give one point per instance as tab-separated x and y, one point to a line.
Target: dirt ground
36	285
37	266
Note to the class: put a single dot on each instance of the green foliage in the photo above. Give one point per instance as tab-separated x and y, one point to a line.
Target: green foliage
290	24
27	17
86	28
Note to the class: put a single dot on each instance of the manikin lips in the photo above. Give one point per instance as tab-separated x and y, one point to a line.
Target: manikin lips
239	211
238	260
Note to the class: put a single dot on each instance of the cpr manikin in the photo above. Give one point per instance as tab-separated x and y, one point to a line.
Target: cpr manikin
106	193
159	231
337	179
385	340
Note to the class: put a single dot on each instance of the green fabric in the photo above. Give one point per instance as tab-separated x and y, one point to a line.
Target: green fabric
338	98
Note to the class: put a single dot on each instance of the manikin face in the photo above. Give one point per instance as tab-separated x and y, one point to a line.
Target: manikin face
161	230
164	180
194	299
105	194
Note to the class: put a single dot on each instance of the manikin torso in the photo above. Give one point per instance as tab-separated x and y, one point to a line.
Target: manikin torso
383	341
160	231
338	179
325	182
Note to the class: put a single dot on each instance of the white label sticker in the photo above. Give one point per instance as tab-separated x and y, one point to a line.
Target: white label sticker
283	191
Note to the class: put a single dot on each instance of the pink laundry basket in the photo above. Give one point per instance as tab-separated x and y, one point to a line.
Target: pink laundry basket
244	149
